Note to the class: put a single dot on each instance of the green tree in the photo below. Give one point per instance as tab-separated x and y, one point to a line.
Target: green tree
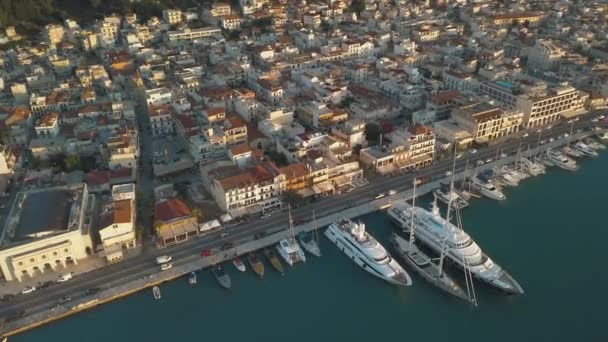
357	6
72	162
372	133
278	158
293	198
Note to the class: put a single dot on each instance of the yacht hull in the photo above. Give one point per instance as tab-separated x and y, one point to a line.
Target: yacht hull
430	273
359	259
504	283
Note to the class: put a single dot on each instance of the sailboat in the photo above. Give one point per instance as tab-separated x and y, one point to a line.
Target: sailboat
274	260
289	249
310	241
257	265
422	263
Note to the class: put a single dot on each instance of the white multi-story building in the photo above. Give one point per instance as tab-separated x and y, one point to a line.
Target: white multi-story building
50	231
109	33
191	34
161	120
544	55
172	16
47	125
117	222
158	96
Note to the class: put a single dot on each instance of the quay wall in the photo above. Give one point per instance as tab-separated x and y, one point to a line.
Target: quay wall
195	262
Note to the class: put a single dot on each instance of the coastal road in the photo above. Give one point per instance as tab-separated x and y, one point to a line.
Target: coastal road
144	264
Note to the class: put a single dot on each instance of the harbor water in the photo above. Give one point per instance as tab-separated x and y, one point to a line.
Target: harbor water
550	234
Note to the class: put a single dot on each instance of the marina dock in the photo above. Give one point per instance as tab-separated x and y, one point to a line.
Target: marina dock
195	262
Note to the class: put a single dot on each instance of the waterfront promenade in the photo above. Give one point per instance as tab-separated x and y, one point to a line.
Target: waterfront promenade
139	273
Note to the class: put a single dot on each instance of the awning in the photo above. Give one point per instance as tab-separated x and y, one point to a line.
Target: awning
306	192
209	225
322	188
342	180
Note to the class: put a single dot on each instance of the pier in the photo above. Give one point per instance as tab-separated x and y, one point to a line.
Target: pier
244	243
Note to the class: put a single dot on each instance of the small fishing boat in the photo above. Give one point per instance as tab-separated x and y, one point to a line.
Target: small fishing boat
4	339
156	292
239	264
192	278
222	277
257	265
274	260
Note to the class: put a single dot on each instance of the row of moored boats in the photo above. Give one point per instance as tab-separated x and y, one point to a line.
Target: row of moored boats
425	241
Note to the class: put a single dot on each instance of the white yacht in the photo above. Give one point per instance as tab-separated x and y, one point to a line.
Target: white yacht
506	176
445	195
595	145
487	188
571	152
531	167
585	149
290	251
435	232
352	239
561	160
289	248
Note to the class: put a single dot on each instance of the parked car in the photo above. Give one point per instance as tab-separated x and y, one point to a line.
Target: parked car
480	162
392	192
503	155
6	297
166	266
448	173
163	259
206	253
227	246
379	196
64	277
260	235
44	285
64	299
92	291
525	135
472	151
28	289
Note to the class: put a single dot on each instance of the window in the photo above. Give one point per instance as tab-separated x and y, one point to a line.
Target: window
32	260
65	250
20	263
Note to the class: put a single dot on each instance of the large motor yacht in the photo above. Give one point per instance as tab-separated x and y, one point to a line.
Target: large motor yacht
560	160
352	239
585	149
487	188
436	233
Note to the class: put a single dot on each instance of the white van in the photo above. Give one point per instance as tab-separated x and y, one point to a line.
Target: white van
65	277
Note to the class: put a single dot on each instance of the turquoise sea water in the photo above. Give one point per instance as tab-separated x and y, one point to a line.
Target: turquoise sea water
550	234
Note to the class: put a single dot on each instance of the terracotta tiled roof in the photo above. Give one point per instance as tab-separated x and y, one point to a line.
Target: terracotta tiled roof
240	149
171	209
98	177
295	170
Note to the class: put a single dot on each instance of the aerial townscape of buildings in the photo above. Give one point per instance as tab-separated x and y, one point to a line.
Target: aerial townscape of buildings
125	131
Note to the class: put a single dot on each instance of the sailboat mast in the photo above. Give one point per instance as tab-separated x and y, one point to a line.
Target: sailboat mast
293	234
447	218
412	226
